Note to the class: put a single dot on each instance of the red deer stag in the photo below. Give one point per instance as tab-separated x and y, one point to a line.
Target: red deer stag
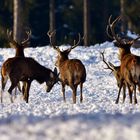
130	63
72	71
26	69
19	47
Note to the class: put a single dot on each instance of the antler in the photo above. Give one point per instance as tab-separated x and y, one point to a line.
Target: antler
51	34
111	25
28	37
10	38
107	64
131	42
75	44
107	31
113	35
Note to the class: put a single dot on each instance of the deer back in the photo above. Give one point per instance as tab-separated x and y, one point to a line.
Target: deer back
24	68
72	71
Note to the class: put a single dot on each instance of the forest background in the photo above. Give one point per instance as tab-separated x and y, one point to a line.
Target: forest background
68	17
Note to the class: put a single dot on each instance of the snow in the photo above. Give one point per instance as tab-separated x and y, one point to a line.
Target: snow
47	117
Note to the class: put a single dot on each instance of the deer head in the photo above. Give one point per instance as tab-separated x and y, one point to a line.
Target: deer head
62	55
19	46
54	78
120	42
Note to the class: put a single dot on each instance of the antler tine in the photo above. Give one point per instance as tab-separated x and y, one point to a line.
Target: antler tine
9	34
51	34
114	22
107	31
28	37
83	37
117	19
76	44
131	42
108	66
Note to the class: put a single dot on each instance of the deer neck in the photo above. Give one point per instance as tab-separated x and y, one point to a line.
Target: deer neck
20	53
42	74
123	52
61	61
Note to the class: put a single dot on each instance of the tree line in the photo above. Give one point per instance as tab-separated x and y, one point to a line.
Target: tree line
68	17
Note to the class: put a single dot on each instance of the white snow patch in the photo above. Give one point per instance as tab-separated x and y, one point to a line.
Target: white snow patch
48	117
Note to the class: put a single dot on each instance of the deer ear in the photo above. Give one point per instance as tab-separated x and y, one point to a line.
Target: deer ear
55	70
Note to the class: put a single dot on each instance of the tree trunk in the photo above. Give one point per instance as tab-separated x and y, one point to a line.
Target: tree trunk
86	23
124	25
105	20
52	17
18	20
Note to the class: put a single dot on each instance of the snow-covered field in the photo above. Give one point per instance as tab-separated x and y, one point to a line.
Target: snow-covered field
47	117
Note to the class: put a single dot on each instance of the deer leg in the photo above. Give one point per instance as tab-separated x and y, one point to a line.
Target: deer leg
3	83
81	95
74	89
19	87
135	96
130	93
15	95
13	85
23	88
124	92
121	84
26	95
63	92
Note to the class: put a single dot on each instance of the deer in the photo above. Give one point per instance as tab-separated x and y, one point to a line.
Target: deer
72	71
130	63
117	74
19	48
26	69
